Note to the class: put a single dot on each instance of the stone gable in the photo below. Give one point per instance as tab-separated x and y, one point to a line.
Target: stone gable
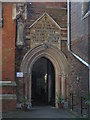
45	30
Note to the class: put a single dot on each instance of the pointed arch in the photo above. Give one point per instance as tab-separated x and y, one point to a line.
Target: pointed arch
56	57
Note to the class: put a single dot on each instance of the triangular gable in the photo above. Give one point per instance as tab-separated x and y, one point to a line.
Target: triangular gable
42	17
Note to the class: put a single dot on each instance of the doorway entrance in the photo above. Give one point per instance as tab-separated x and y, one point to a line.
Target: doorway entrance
43	82
56	58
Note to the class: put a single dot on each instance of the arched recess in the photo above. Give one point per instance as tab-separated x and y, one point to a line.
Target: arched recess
58	60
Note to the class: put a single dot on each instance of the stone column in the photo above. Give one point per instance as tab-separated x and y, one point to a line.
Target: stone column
65	92
29	92
26	76
65	88
60	81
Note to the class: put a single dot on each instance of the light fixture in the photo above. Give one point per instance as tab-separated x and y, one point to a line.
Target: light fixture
77	78
45	78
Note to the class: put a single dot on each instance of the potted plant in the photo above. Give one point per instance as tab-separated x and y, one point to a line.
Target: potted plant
59	101
24	104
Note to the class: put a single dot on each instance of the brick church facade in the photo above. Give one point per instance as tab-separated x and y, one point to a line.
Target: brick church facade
8	58
31	31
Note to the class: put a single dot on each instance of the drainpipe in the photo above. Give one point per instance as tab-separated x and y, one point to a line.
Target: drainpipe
89	92
76	56
68	24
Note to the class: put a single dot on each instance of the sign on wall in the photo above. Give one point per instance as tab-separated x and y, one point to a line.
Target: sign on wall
19	74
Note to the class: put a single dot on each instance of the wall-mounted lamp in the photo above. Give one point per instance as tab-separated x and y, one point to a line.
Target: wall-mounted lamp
77	78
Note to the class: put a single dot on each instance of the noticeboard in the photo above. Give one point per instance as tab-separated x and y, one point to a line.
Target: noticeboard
19	74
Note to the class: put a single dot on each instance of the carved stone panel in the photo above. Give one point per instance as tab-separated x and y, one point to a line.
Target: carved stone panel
45	30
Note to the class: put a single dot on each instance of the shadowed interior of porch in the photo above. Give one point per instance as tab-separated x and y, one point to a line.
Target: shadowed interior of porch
43	83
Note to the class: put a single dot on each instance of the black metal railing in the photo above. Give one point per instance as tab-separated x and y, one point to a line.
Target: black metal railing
84	106
78	104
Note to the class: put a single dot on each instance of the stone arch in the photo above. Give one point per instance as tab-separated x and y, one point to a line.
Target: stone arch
58	60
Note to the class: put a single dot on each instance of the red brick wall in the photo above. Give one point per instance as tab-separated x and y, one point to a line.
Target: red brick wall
8	44
8	90
8	56
8	105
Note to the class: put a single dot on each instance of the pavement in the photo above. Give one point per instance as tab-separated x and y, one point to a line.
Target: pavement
40	112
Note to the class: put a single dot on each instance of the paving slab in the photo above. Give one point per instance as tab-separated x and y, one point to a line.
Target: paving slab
39	112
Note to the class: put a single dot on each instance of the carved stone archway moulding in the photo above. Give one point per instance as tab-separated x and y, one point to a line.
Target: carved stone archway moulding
58	60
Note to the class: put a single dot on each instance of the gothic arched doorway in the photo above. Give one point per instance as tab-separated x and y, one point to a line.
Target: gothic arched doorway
43	82
59	62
